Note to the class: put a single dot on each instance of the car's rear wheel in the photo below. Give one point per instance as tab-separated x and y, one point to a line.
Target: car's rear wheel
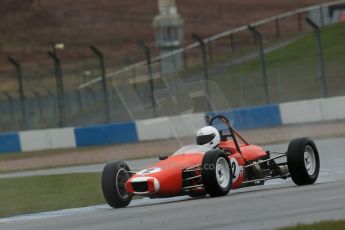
303	161
216	173
114	178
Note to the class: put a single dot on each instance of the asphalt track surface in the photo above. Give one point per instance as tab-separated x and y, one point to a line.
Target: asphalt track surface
276	204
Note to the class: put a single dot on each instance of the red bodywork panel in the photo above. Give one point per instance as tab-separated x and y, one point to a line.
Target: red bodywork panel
165	177
169	172
253	152
237	166
249	152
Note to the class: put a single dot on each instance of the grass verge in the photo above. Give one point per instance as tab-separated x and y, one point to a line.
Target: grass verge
334	225
47	193
39	153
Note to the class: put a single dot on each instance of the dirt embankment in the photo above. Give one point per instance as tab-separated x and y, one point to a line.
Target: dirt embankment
28	27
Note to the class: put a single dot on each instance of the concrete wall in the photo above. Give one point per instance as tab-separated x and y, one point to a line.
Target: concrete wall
332	108
9	142
169	127
154	129
47	139
106	134
300	112
327	109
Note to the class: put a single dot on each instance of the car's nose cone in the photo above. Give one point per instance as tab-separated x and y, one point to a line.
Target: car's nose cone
142	185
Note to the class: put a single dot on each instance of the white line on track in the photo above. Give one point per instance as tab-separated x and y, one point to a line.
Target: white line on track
75	211
45	215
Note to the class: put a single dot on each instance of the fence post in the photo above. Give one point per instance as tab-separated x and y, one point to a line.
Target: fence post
276	22
21	91
11	106
59	88
323	80
67	104
321	17
149	69
134	76
38	97
258	37
80	100
232	43
100	55
279	85
210	51
299	20
185	60
198	39
55	104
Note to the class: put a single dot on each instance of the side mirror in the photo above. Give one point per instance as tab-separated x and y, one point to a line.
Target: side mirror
163	157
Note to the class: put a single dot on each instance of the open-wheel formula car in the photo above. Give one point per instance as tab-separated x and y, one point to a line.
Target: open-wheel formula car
198	170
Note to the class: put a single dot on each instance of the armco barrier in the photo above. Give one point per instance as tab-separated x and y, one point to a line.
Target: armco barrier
106	134
168	127
9	142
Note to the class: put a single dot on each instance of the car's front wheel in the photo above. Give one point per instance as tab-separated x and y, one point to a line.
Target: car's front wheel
303	161
114	178
216	173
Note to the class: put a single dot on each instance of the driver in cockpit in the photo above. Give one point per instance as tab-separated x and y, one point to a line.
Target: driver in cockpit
208	136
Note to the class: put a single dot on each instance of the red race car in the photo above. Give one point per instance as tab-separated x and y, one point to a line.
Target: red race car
221	161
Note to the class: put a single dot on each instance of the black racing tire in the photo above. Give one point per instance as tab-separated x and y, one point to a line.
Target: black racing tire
114	177
216	183
303	161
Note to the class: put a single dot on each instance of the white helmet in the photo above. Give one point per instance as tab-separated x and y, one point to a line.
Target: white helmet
208	136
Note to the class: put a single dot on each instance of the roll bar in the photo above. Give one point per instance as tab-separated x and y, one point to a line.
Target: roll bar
210	120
